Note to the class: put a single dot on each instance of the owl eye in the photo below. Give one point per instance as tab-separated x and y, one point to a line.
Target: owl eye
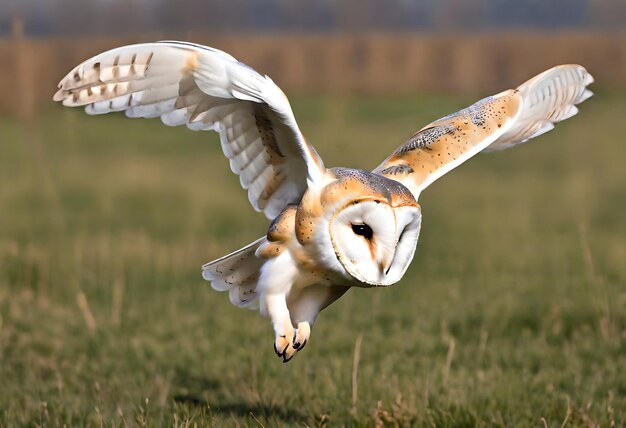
363	230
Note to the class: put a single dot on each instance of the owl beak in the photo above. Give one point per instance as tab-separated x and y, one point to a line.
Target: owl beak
384	267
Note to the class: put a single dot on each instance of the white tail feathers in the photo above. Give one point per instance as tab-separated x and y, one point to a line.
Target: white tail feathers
237	273
547	98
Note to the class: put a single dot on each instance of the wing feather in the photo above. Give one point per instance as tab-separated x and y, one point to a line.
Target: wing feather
204	89
549	98
498	122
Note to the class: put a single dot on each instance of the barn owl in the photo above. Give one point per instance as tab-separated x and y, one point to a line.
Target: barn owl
331	228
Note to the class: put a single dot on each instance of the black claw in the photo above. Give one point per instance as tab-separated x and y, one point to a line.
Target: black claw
286	360
296	345
303	344
281	353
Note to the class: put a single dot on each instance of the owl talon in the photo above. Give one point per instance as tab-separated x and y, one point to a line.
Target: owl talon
298	346
301	335
289	353
284	347
280	345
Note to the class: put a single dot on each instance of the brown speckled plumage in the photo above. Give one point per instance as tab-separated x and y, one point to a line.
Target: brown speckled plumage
447	139
266	131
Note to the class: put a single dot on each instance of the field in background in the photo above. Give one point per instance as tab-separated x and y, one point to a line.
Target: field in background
337	63
513	312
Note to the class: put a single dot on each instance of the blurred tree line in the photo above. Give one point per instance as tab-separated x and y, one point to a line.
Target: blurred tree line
103	17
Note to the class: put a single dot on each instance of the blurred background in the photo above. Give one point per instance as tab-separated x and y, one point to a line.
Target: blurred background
513	312
347	46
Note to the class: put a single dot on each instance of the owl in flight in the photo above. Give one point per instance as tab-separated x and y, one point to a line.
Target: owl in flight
331	228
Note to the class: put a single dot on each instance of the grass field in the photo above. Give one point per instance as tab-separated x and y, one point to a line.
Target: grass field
513	312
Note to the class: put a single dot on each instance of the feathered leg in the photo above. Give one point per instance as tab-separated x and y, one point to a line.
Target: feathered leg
277	278
304	306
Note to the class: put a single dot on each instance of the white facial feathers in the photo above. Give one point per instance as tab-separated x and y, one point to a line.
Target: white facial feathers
375	242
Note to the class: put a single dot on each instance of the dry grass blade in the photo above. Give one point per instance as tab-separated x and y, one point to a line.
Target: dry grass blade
355	372
83	305
449	357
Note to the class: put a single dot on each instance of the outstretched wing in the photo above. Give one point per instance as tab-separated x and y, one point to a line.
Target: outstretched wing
205	89
498	122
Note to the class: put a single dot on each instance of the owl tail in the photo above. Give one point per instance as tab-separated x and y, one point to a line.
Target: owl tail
237	273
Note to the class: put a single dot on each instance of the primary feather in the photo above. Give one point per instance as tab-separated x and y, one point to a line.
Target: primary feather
548	98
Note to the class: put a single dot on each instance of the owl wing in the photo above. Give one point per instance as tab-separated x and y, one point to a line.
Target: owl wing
205	89
498	122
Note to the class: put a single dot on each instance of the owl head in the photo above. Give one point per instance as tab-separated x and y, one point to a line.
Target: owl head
366	229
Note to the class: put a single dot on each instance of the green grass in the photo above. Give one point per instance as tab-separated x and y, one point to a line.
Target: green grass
513	312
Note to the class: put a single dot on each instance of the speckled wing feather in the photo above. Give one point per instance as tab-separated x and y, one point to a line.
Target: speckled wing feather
205	89
498	122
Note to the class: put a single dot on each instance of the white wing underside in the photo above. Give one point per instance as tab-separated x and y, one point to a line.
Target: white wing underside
205	89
